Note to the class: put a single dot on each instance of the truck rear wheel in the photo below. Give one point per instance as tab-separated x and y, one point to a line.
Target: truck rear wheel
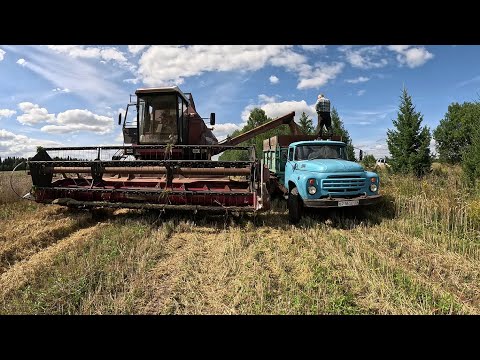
294	206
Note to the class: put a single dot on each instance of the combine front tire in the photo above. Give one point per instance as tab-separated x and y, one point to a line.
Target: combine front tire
294	206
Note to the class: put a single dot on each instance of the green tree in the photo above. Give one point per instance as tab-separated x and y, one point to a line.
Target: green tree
369	161
239	155
339	129
306	124
453	135
409	144
471	154
471	158
256	118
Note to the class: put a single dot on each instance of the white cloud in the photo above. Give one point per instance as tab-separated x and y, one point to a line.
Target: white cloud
411	56
246	112
78	75
72	121
398	48
222	130
65	90
131	81
21	62
112	54
33	114
76	50
82	51
361	92
2	53
135	49
267	99
360	79
166	64
69	121
273	79
6	113
171	64
289	59
416	57
20	145
367	57
316	78
277	109
104	54
314	47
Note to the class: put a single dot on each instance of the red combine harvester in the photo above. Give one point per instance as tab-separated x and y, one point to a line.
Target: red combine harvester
168	164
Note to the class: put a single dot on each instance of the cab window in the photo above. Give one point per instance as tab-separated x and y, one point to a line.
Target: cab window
290	154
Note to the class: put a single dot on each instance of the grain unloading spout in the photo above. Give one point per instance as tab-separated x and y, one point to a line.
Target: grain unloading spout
287	119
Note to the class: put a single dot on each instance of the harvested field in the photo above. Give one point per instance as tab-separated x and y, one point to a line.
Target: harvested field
416	253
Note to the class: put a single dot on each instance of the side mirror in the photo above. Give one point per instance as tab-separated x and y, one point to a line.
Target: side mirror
361	155
212	119
120	119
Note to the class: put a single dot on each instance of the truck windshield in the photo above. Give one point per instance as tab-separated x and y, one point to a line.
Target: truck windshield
310	152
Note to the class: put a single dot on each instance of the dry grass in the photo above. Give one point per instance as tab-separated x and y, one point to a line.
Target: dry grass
416	253
20	181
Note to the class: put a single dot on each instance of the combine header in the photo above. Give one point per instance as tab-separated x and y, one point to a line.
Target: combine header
167	164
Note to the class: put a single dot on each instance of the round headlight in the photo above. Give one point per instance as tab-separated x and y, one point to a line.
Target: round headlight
373	187
312	190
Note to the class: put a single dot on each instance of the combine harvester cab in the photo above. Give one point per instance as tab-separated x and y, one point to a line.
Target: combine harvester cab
167	164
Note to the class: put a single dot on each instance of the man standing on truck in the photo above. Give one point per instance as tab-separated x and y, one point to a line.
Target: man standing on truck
323	110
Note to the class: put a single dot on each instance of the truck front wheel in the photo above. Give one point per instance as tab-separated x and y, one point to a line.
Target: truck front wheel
294	206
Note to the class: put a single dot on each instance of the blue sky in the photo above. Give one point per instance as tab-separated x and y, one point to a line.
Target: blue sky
71	94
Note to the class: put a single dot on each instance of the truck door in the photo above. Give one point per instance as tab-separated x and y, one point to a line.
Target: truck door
283	159
289	166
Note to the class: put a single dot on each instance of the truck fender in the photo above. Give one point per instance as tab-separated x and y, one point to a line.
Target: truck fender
291	185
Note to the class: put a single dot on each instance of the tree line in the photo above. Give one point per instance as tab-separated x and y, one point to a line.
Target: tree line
457	139
9	163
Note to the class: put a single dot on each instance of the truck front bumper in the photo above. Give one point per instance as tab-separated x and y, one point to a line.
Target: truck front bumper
341	202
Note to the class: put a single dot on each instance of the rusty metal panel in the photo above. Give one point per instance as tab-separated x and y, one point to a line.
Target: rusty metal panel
286	119
285	141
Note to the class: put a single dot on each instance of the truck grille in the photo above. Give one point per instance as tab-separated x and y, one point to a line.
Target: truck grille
343	185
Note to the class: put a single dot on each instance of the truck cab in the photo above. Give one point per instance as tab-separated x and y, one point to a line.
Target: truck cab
318	174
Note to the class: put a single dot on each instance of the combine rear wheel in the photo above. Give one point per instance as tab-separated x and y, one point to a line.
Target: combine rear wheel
295	206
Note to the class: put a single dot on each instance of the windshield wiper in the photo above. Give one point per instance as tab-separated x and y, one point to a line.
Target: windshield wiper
325	158
316	158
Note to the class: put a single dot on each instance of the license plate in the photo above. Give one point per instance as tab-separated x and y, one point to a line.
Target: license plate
348	203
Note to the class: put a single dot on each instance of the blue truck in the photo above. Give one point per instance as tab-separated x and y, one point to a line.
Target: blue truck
317	174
